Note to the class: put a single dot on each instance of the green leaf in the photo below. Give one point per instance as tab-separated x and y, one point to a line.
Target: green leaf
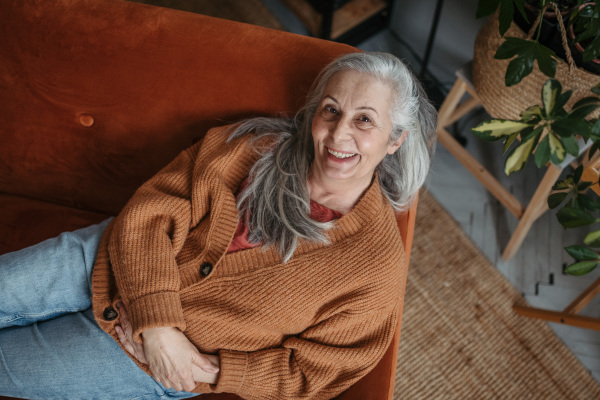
486	8
592	50
563	98
495	129
520	4
581	253
596	89
578	173
585	202
550	93
557	150
573	218
571	145
586	101
513	46
582	111
509	140
545	59
575	204
532	113
581	267
584	185
542	153
518	69
564	184
596	128
555	199
567	183
592	239
579	126
593	149
505	16
518	156
587	11
562	127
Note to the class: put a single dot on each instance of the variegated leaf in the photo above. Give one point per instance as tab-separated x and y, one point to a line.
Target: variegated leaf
518	157
550	92
495	129
556	148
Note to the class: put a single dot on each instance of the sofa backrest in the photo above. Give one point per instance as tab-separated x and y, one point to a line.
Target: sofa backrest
96	96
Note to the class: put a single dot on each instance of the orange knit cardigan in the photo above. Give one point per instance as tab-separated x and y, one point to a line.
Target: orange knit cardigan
307	328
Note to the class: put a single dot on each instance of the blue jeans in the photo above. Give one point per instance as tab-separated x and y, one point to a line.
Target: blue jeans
50	344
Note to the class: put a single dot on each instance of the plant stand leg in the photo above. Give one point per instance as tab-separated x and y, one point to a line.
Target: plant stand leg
569	315
532	212
480	172
451	111
451	102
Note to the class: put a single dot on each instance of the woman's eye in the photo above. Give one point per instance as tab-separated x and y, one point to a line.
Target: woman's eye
331	110
364	118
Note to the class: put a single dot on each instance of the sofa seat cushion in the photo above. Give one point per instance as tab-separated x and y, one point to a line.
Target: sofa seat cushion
26	222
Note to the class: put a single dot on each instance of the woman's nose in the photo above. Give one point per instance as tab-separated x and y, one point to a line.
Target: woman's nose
341	131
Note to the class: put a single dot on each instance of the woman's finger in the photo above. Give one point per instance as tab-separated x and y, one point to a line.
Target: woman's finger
124	340
125	335
204	363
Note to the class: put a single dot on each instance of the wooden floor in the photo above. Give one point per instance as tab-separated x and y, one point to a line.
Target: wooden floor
536	269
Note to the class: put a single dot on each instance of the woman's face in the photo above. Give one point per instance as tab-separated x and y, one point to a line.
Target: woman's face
351	129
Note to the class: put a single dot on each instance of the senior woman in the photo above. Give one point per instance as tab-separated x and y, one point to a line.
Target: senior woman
263	261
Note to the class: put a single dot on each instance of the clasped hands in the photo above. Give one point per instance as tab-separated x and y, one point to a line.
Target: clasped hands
173	360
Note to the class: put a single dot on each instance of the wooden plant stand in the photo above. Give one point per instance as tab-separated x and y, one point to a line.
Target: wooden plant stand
452	109
568	316
461	99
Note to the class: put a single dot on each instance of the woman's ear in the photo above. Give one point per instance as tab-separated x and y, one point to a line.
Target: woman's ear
396	145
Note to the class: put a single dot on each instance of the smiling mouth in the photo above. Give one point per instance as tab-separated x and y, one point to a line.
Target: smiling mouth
337	154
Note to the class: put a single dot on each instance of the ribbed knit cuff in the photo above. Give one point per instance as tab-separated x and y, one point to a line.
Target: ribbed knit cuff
156	310
233	365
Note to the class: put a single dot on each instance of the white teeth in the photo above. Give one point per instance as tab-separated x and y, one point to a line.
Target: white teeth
340	155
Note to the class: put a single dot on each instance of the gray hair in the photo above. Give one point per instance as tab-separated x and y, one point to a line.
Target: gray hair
276	201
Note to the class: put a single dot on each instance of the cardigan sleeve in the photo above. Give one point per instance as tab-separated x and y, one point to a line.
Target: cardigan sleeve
319	363
148	233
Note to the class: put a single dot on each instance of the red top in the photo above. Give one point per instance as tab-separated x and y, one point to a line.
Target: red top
318	212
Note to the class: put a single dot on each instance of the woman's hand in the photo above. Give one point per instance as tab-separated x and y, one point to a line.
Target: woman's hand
173	360
125	334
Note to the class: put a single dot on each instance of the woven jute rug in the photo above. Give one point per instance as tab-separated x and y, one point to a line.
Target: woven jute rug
460	338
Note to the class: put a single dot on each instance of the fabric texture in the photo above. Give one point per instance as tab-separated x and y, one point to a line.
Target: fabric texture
308	328
50	344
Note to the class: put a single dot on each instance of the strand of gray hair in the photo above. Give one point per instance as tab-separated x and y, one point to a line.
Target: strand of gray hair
276	202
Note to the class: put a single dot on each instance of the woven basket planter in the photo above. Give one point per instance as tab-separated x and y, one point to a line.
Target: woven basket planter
508	102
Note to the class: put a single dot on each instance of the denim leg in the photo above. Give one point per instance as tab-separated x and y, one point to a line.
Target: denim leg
71	357
50	344
48	279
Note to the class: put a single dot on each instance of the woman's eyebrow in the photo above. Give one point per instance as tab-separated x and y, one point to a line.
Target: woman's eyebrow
368	108
359	108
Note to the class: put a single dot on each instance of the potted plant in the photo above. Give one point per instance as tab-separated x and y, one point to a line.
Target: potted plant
584	32
559	103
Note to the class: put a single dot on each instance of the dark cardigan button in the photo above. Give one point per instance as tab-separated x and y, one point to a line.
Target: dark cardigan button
206	269
110	314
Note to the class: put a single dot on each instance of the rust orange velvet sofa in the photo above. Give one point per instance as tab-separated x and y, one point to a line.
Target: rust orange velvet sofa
96	96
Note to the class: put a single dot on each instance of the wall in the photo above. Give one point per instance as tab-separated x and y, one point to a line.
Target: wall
453	46
409	29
